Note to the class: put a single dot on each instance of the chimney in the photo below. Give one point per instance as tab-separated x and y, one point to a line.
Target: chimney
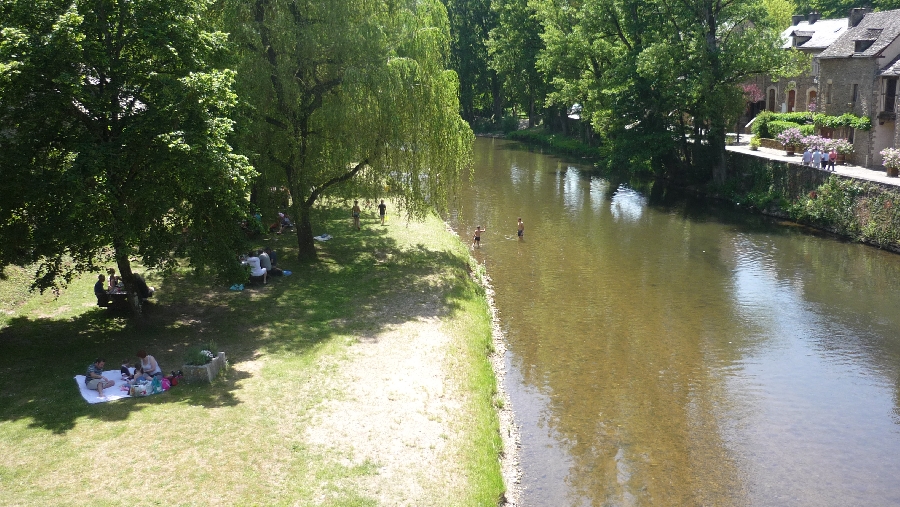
856	15
796	19
813	17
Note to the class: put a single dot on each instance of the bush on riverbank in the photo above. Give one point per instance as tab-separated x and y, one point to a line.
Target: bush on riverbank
558	143
861	211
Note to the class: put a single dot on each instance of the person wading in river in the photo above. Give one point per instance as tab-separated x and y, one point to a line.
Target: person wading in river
521	231
476	240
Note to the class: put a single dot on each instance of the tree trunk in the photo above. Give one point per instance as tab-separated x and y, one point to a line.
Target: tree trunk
717	148
124	265
306	248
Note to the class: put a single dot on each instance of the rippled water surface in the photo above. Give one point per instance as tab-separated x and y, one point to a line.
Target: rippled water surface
662	353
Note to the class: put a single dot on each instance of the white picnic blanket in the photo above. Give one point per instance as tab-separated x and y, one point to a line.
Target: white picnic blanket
323	237
109	394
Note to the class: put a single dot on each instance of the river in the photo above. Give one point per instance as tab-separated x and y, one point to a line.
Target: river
664	352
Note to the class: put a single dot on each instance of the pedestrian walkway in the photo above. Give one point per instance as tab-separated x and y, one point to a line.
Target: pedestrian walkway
849	171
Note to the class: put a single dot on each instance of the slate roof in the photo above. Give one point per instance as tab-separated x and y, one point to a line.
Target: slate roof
882	27
891	69
823	32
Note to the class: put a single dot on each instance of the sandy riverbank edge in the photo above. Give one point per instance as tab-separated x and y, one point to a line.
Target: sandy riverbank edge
509	433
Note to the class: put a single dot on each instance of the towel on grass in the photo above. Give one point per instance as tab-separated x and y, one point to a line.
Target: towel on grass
323	237
110	394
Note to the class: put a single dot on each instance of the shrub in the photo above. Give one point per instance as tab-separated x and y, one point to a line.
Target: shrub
808	129
200	355
754	142
777	127
841	146
791	137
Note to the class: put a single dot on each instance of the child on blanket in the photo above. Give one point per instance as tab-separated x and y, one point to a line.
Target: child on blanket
125	370
139	374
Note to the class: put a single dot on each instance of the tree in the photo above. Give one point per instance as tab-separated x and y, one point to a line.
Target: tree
480	88
114	146
351	98
513	47
659	79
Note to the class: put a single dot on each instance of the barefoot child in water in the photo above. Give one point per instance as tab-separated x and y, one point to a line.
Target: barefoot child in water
521	232
477	239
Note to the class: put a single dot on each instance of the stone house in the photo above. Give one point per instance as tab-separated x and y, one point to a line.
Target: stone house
812	36
858	74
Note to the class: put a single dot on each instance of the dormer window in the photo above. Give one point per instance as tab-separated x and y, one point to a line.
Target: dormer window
862	45
800	40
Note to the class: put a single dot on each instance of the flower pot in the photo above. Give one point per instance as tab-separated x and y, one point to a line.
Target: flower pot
841	159
789	151
753	148
891	171
205	373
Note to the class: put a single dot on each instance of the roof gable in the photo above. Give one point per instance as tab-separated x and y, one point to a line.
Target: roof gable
821	34
879	28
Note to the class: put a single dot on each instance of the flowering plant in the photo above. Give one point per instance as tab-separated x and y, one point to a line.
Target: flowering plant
891	157
841	146
790	137
816	142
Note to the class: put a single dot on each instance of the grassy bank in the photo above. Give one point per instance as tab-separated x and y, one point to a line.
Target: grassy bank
245	440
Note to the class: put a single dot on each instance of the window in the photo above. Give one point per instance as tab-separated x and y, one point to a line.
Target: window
862	45
855	95
890	94
815	67
828	93
771	101
811	100
792	95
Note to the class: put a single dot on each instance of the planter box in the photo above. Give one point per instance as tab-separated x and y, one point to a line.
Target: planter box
205	373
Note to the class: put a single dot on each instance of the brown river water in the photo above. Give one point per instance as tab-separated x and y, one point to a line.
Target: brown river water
662	352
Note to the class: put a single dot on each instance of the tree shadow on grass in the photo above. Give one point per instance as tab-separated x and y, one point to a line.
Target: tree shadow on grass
364	283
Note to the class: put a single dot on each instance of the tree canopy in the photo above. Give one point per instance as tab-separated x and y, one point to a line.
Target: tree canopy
351	98
114	145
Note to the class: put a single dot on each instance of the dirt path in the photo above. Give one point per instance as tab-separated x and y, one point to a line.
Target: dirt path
399	413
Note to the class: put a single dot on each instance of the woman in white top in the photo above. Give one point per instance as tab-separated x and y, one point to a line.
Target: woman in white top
255	268
149	364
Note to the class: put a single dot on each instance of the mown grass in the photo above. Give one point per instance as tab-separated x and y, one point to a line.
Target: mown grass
238	441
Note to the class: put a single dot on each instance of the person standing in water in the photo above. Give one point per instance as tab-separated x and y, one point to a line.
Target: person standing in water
521	231
476	240
382	209
354	212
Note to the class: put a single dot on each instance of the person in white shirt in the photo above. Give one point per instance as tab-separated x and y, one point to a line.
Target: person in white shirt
256	270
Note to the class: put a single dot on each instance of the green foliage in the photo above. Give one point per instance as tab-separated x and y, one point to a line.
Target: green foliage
806	130
846	120
659	80
556	142
198	355
754	142
777	127
116	118
351	99
762	123
513	48
471	23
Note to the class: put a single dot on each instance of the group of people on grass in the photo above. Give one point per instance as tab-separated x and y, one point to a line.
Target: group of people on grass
355	211
145	369
262	264
812	157
115	285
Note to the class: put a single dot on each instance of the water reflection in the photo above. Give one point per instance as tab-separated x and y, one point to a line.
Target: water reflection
663	355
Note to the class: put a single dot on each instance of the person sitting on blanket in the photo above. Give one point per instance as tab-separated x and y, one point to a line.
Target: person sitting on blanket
95	379
271	253
266	263
148	364
125	371
139	374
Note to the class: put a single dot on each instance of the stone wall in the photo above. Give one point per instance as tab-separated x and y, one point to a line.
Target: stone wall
836	78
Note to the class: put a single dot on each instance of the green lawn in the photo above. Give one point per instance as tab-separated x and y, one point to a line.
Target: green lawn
238	441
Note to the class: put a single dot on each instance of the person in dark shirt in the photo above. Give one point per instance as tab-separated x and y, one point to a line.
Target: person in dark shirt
100	291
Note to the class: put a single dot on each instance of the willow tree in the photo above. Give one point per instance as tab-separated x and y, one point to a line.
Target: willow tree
115	118
349	97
